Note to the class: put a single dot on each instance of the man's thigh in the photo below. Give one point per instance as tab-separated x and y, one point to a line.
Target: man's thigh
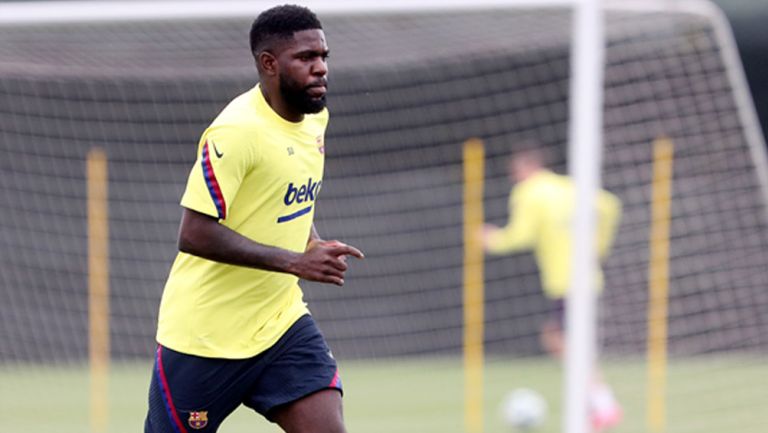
190	393
320	412
300	365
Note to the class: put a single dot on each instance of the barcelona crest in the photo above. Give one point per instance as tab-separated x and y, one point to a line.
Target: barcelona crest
198	420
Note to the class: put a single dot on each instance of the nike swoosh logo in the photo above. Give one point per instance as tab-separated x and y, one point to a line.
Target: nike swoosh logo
216	151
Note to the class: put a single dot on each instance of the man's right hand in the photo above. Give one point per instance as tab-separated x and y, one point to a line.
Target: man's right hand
324	261
488	231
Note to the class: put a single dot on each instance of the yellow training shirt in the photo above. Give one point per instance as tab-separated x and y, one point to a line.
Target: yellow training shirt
260	175
540	217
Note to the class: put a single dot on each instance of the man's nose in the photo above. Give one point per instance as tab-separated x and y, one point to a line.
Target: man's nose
320	67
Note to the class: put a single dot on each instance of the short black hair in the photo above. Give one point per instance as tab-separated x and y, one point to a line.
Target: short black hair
532	150
280	23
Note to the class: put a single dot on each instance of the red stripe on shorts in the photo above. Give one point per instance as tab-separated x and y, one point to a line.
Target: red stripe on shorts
167	392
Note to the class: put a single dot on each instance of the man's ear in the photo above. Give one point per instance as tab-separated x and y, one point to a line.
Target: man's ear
267	63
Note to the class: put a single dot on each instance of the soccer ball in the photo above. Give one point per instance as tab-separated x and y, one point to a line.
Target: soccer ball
524	409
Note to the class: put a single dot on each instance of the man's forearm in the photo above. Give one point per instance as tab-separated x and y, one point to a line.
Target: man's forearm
203	236
324	261
313	236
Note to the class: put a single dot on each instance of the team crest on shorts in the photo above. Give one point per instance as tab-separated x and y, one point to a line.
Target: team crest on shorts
198	420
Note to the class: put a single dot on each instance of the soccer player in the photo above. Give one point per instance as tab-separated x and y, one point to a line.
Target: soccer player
233	328
541	207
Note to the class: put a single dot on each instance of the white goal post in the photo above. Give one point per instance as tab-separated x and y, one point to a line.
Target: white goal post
586	115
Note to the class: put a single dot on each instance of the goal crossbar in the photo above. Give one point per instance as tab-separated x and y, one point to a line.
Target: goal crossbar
89	11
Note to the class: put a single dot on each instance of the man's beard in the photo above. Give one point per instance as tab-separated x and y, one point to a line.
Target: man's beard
297	97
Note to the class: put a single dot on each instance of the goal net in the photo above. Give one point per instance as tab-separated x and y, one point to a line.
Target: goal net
407	88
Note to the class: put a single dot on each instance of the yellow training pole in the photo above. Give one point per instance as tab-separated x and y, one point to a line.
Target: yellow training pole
658	282
98	288
474	163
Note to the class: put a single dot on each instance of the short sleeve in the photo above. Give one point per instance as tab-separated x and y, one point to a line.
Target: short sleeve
520	231
224	157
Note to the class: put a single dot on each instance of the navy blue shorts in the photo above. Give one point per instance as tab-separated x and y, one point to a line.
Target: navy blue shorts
557	312
191	393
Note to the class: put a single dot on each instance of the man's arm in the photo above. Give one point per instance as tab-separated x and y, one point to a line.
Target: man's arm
610	215
324	261
313	236
520	231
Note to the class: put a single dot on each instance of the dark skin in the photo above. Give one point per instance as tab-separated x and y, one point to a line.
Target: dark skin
303	60
323	261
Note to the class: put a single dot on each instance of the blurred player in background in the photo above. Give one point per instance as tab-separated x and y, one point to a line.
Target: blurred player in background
541	208
233	328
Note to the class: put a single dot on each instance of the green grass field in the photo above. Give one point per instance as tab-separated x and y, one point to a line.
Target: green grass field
414	396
